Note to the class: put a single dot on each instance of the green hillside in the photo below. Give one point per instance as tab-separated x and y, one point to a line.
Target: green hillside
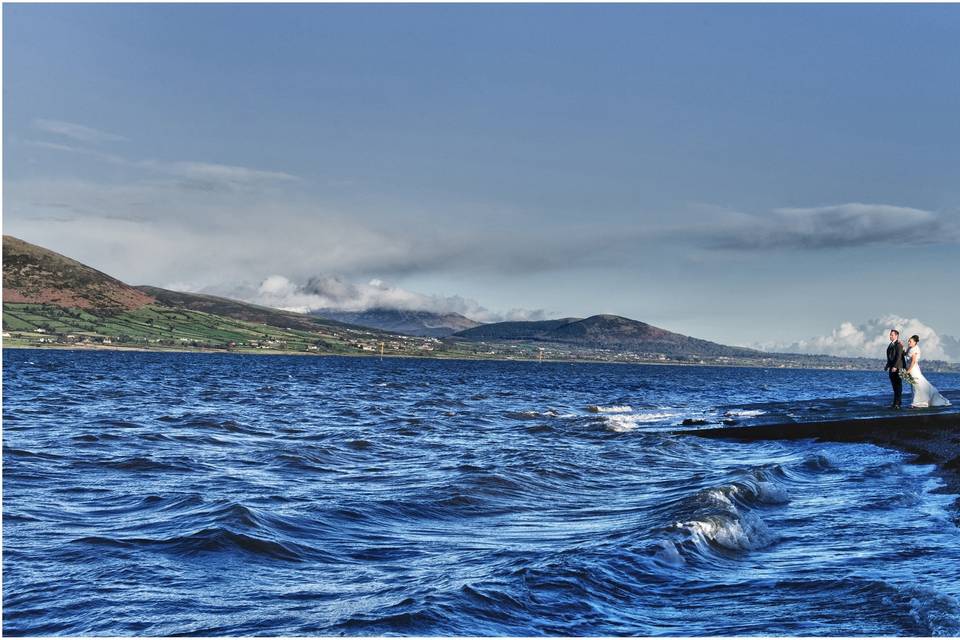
159	327
52	300
244	311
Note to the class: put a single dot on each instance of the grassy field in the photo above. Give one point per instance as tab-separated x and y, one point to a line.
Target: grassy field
160	327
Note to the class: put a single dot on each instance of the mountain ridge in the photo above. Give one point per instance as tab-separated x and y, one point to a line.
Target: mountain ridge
414	322
606	331
239	310
34	274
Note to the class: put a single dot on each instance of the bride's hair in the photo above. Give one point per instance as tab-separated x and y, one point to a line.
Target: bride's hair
915	339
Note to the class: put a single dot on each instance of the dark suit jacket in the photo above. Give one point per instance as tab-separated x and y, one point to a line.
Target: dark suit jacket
895	356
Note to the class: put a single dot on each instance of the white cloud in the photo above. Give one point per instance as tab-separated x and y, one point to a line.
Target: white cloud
209	176
870	340
75	131
258	221
518	315
53	146
333	291
838	226
330	291
217	173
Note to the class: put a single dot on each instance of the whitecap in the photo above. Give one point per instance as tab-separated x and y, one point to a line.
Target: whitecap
722	495
628	422
616	408
744	413
938	613
734	531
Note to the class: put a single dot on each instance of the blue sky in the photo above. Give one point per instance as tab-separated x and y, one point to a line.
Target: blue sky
742	173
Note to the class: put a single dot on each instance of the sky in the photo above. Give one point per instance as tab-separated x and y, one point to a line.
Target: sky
748	174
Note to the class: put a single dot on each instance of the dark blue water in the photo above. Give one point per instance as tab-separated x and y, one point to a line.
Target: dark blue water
161	494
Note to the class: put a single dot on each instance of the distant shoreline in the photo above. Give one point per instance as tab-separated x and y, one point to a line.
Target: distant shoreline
277	352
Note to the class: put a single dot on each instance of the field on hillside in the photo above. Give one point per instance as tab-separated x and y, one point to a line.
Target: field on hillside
157	326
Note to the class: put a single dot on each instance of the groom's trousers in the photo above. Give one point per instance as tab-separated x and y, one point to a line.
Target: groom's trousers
897	382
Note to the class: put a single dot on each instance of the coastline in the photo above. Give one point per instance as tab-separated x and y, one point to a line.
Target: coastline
406	356
932	438
466	358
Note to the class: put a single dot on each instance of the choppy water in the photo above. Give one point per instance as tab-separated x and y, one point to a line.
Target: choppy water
162	494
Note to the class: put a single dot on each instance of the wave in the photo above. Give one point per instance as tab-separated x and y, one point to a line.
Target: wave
414	622
213	539
179	464
724	519
441	402
760	487
358	444
148	464
732	531
26	453
219	527
306	461
616	408
667	553
744	413
818	462
622	422
938	614
118	422
211	422
533	415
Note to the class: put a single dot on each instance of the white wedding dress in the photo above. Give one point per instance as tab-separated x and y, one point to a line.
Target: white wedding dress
924	393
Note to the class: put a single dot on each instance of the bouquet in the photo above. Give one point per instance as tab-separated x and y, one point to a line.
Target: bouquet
909	378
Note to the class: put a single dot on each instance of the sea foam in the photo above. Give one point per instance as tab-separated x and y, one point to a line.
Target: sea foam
616	408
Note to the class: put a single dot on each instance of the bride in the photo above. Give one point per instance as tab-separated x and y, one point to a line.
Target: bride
924	393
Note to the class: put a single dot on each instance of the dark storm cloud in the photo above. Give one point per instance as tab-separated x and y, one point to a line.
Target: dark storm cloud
834	227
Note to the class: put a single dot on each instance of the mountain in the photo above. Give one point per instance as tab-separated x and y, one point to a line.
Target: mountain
605	332
238	310
414	323
49	299
515	330
32	274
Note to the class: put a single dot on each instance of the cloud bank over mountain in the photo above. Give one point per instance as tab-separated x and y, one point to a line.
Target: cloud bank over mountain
870	340
333	291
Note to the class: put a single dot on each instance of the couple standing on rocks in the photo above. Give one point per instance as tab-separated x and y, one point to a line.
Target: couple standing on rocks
905	365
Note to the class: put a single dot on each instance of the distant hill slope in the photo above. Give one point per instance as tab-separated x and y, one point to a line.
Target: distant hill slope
515	330
238	310
414	323
605	332
49	299
32	274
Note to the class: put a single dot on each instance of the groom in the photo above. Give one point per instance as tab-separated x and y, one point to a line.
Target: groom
894	364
